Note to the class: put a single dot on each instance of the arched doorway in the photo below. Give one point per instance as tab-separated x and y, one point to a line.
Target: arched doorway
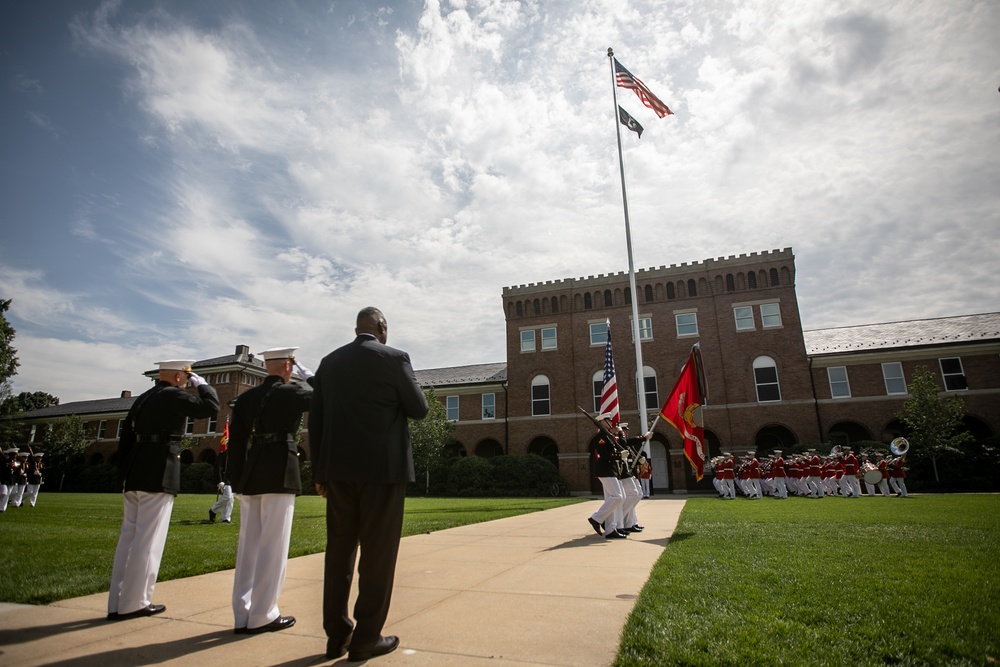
976	427
488	448
774	436
847	433
455	450
545	447
659	459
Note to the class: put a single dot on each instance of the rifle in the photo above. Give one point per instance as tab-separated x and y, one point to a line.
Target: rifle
612	440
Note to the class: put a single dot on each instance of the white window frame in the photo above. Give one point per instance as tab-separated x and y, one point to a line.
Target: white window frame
770	320
213	423
527	340
101	428
744	315
189	426
598	333
652	396
538	403
598	385
686	325
451	407
489	403
945	377
894	365
841	383
121	423
550	340
645	328
764	363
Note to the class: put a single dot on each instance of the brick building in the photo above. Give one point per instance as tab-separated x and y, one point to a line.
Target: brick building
771	383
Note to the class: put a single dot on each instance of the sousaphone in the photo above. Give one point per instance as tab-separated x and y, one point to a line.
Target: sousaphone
899	446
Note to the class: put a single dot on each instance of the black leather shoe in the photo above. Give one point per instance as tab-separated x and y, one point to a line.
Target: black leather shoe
151	610
211	516
596	526
280	623
622	533
337	647
113	616
382	646
614	535
637	528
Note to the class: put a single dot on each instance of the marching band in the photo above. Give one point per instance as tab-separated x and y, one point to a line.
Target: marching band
20	478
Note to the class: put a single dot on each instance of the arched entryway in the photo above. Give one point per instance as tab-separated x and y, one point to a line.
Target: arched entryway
489	448
545	447
774	436
847	433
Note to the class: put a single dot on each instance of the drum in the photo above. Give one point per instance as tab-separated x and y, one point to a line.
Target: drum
873	476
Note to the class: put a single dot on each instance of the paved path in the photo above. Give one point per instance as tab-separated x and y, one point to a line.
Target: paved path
534	590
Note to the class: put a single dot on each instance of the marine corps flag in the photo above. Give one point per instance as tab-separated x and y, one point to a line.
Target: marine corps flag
683	410
224	442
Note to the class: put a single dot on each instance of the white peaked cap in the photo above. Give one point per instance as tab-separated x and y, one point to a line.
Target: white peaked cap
279	353
175	365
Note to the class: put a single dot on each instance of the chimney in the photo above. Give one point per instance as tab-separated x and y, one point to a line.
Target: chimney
126	394
242	351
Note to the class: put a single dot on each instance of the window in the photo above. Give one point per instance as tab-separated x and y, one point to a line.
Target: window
839	386
892	372
549	338
692	289
121	423
451	406
554	305
774	276
489	406
537	305
744	318
752	280
953	374
649	385
687	324
598	389
100	429
528	340
648	292
671	291
212	423
607	299
519	309
540	396
730	283
598	333
189	426
770	315
588	301
645	328
765	376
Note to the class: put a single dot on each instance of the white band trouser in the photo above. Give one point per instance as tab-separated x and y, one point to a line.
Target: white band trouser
140	548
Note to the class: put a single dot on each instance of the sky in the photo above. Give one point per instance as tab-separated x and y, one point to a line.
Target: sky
179	178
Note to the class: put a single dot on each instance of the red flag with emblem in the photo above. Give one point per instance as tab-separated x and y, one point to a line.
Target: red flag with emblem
224	443
683	410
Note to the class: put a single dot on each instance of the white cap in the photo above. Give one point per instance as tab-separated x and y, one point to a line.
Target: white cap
279	353
23	455
777	451
10	450
175	365
39	455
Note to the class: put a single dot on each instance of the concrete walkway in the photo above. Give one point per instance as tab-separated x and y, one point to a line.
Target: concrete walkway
539	589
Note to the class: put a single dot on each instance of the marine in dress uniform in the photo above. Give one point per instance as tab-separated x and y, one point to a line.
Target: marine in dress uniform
815	470
264	468
149	453
897	476
629	478
883	468
223	506
7	476
20	479
849	482
780	475
35	480
753	477
609	464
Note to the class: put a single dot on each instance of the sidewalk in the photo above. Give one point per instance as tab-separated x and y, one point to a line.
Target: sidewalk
535	590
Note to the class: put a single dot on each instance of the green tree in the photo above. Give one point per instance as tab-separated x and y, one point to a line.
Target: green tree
935	421
11	428
430	437
65	440
8	355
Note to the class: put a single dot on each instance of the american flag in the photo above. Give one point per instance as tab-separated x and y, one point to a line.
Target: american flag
609	396
626	79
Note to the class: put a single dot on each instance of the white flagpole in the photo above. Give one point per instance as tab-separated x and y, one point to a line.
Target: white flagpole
639	378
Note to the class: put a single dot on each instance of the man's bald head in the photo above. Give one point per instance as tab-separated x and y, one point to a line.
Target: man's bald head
372	321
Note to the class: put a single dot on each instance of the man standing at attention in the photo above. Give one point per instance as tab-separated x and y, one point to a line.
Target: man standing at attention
149	466
264	468
363	394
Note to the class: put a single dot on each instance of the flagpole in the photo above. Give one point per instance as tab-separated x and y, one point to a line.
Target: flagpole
639	377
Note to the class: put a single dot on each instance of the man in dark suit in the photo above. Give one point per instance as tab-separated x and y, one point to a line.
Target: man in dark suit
362	459
149	465
264	468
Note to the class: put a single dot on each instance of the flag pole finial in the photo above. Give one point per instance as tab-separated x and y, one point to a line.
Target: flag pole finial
611	52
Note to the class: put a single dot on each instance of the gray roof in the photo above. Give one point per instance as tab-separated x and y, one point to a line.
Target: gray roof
94	407
456	375
912	333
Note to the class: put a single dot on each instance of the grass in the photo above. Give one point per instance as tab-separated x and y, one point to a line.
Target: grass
64	546
824	582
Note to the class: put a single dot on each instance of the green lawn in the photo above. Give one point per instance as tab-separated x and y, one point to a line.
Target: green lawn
836	581
64	546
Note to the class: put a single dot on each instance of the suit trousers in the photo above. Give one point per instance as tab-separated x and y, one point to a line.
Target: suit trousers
140	548
261	557
369	516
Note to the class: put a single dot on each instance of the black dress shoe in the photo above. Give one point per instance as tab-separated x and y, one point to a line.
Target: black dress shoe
151	610
280	623
637	528
382	646
596	526
337	647
112	615
614	535
211	516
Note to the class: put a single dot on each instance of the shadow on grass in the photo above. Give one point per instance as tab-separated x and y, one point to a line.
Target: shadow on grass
677	537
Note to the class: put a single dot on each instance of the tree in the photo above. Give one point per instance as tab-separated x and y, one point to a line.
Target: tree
10	426
935	422
430	437
8	355
64	440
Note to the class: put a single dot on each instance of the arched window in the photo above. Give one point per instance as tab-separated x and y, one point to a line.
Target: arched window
774	277
587	302
648	293
598	389
537	305
730	283
540	400
752	280
692	288
671	291
555	305
765	376
608	302
628	295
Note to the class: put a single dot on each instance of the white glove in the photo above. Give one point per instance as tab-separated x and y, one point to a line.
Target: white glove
196	380
304	372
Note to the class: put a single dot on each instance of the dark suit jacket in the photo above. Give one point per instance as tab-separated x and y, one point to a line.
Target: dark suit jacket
271	466
363	394
162	413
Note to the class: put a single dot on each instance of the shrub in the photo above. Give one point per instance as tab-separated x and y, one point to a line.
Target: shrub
504	476
198	478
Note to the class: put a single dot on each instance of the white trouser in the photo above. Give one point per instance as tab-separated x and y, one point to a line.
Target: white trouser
883	486
17	494
261	557
223	507
614	496
4	497
755	487
140	548
781	486
630	485
730	484
815	486
644	483
898	485
32	492
871	488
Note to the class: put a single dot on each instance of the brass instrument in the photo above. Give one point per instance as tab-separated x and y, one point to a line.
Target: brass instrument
899	446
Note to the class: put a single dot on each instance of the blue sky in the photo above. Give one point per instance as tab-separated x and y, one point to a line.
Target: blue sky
182	177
